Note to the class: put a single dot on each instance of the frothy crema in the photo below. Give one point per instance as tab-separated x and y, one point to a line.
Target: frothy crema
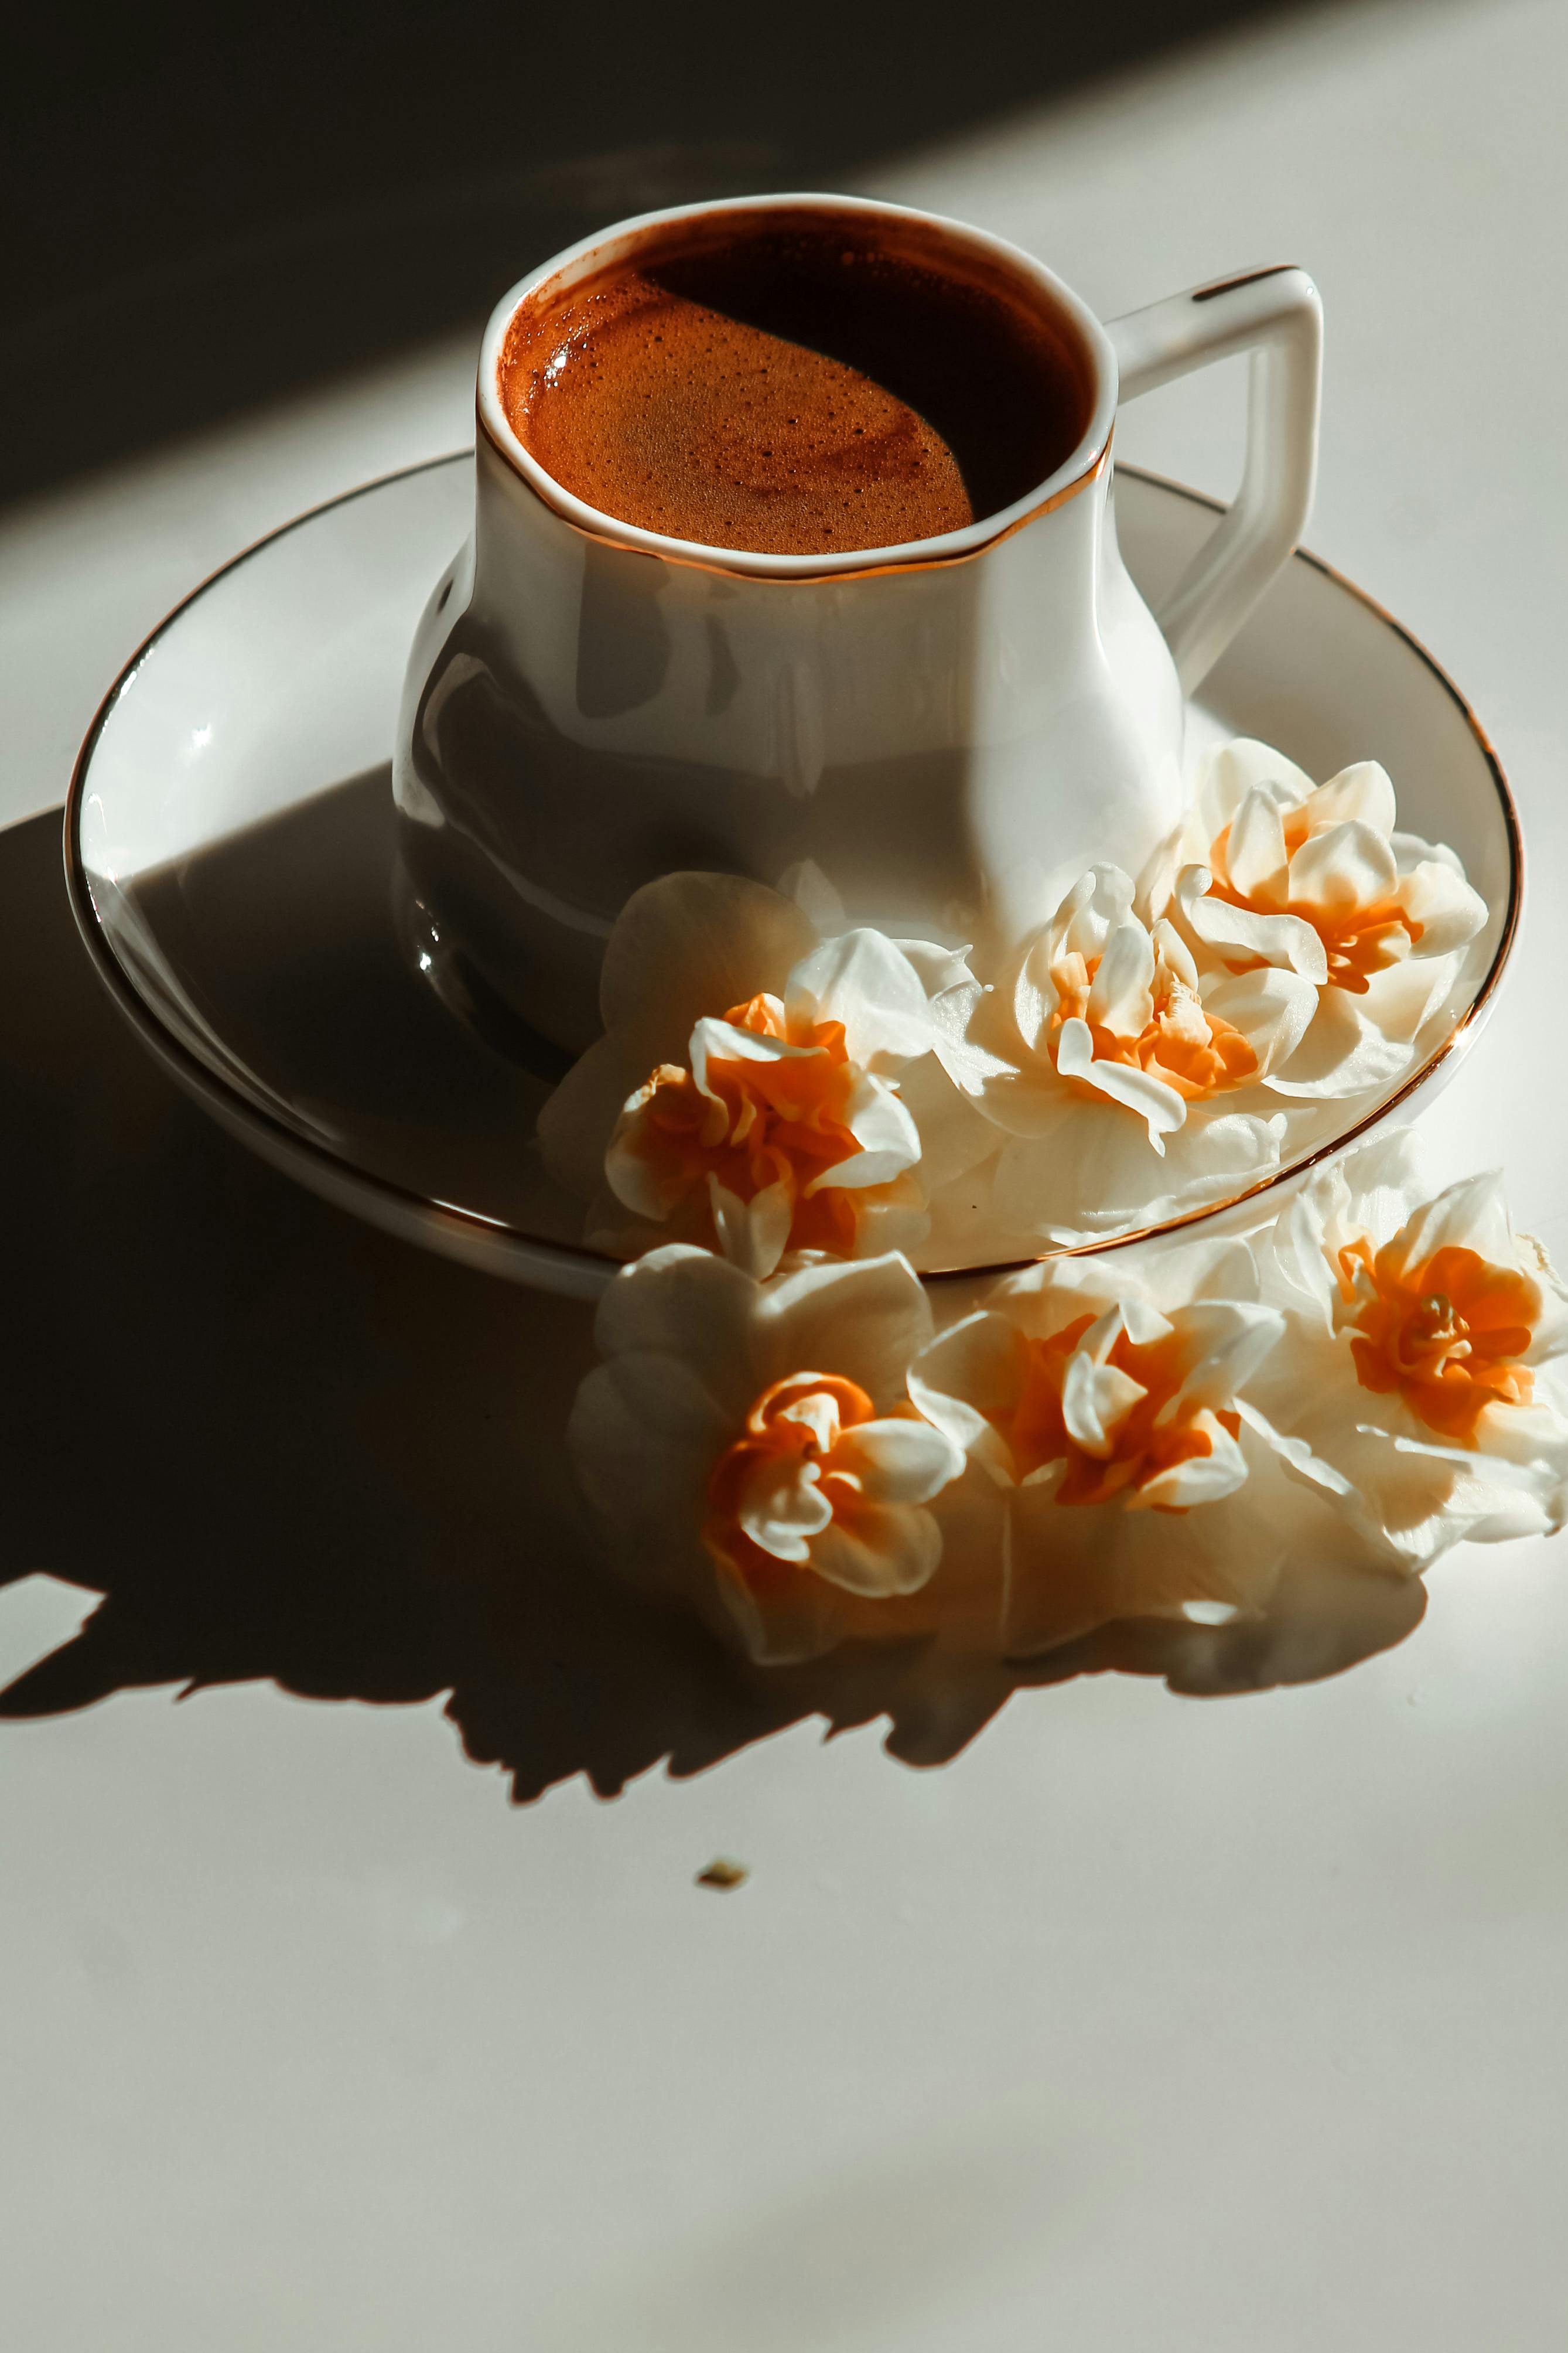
795	386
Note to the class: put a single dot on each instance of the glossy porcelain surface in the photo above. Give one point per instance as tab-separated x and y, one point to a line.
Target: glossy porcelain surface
948	729
234	856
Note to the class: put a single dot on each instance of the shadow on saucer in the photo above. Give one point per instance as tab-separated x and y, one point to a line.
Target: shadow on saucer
282	1445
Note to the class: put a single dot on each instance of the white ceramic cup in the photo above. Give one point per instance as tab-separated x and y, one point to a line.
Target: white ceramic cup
945	731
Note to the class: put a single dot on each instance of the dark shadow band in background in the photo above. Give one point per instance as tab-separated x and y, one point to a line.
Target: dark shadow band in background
213	207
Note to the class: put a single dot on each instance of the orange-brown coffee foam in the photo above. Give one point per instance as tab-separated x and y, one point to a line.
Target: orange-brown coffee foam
653	408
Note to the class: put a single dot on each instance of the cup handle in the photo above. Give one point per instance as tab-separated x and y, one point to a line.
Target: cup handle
1276	314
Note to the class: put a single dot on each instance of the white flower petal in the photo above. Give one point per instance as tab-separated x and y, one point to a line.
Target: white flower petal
974	1369
816	1410
1551	1332
579	1117
866	1320
1470	1215
684	1302
715	1041
1096	1400
1235	769
641	1182
1035	995
954	1133
892	1549
1362	794
1534	1436
1172	951
667	1399
864	981
1159	1107
1347	867
1031	1101
1098	900
942	971
1273	1010
1140	1320
1219	1266
1221	1153
753	1235
794	1619
1448	911
970	1066
1119	999
1503	1470
658	1449
1255	853
1341	1053
1294	1452
1238	935
1077	1568
782	1507
899	1460
1200	1478
689	943
1401	998
1227	1340
957	1000
888	1136
889	1218
1156	882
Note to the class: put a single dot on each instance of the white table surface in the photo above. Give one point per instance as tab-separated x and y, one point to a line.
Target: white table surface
1149	2023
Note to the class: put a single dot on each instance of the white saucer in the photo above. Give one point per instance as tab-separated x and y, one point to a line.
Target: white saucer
231	849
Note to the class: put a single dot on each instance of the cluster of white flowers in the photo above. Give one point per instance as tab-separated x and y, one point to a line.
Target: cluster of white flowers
1365	1381
766	1085
784	1119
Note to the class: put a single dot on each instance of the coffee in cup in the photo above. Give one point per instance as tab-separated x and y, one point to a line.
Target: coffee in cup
797	384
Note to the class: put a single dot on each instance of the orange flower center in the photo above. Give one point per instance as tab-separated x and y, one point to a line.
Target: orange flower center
1193	1051
1357	940
1143	1446
794	1423
761	1123
1446	1336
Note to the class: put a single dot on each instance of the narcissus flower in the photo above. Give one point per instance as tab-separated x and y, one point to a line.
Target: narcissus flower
1421	1355
1116	1408
1120	1072
771	1130
1270	872
755	1443
748	1091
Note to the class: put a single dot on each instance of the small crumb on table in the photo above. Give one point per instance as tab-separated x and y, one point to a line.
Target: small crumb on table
722	1873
